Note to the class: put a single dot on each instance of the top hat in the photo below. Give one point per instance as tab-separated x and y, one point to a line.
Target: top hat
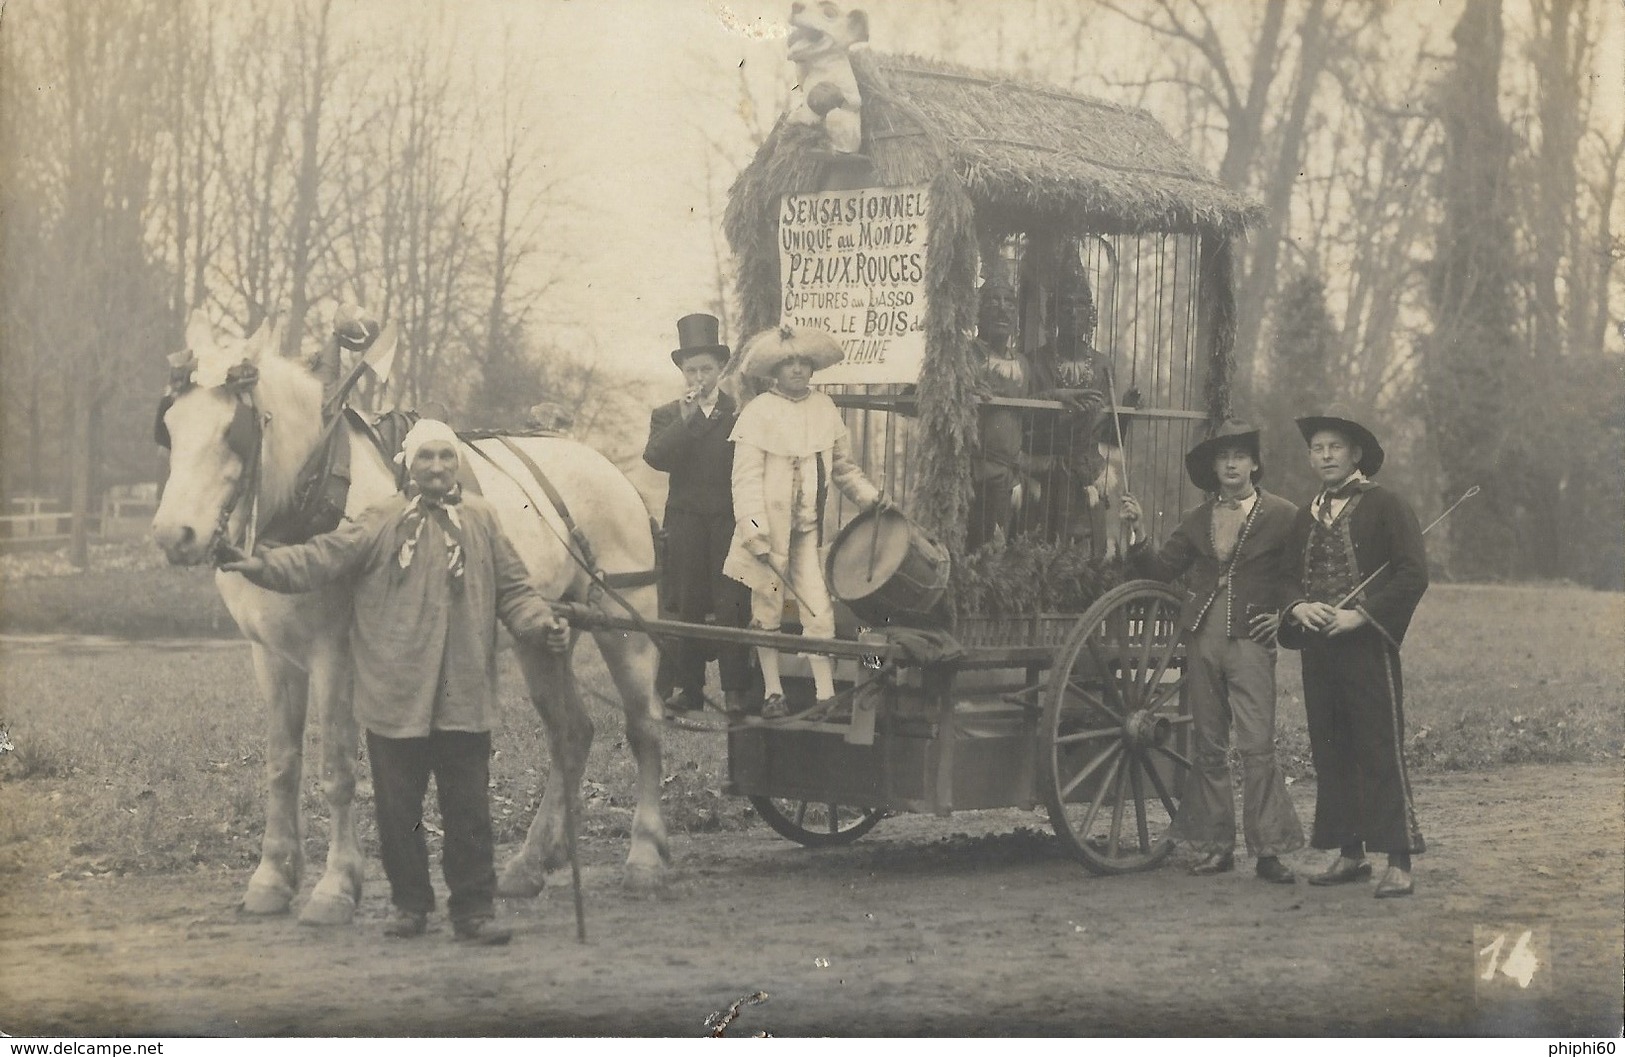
1231	432
698	334
767	350
1332	418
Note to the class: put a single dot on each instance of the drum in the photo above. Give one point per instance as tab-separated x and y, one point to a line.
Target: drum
887	569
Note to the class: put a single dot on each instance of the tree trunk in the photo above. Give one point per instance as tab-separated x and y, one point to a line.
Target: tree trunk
1258	287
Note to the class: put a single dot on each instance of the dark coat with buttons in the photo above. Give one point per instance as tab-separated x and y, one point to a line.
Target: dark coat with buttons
699	520
1262	570
1383	529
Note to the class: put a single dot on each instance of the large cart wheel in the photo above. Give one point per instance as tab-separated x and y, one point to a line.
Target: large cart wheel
814	824
1114	745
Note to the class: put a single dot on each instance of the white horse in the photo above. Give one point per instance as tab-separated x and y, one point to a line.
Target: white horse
218	483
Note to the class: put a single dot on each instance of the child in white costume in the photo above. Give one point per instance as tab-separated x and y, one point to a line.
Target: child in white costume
789	445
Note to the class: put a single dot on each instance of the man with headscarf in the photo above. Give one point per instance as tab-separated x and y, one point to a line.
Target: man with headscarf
433	573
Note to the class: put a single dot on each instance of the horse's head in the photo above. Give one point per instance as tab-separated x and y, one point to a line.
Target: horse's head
211	426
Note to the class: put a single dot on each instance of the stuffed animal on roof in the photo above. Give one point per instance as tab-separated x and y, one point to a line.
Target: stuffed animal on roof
826	92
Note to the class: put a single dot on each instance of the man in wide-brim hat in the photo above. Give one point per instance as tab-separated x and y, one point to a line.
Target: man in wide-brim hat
688	439
1353	692
1233	550
790	445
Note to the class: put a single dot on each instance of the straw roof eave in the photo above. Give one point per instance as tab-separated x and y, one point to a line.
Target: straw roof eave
1032	149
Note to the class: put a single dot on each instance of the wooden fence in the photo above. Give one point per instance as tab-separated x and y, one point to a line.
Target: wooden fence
38	528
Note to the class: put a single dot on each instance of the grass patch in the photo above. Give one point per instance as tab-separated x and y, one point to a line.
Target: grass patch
138	603
1497	675
149	759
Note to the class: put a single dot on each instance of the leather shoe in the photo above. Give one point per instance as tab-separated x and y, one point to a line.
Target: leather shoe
775	707
1217	863
1395	883
1343	871
1275	871
480	932
406	924
685	702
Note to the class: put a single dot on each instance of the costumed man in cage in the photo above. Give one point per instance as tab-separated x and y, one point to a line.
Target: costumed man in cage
790	445
1233	551
1349	632
1004	372
688	439
1072	448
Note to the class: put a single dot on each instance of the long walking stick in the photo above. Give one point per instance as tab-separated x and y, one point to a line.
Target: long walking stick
1363	584
1117	424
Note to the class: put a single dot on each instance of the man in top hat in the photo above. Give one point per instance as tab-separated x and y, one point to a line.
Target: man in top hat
688	439
790	445
1234	549
1350	642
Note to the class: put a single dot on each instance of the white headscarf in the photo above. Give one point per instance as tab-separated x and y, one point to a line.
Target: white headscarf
421	433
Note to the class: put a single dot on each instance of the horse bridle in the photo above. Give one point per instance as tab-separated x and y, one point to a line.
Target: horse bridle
245	438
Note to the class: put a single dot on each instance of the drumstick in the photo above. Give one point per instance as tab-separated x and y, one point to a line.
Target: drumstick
784	578
874	545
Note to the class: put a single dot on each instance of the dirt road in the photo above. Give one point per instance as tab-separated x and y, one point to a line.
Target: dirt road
969	925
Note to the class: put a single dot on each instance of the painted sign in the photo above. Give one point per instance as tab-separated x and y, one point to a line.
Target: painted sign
853	263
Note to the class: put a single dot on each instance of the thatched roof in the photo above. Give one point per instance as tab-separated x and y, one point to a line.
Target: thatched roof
1038	150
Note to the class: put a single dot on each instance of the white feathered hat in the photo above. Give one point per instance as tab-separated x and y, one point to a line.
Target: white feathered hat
765	351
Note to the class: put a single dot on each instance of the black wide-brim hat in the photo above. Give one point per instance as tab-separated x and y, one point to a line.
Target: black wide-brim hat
1371	454
698	335
1231	432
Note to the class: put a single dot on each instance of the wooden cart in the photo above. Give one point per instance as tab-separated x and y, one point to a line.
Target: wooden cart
1093	726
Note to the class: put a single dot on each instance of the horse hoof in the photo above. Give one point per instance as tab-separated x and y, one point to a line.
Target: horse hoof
328	910
266	900
519	881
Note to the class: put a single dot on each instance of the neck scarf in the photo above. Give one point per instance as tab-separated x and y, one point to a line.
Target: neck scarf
445	514
1348	486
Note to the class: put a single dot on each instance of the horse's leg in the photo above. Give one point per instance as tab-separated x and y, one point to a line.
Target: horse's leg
282	852
631	660
339	891
553	692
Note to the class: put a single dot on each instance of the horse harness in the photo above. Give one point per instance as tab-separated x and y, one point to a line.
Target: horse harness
576	545
245	438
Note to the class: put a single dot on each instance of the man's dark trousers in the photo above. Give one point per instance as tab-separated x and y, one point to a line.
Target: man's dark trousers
698	545
460	762
1352	695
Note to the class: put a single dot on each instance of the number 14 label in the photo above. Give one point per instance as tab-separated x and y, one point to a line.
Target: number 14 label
1514	953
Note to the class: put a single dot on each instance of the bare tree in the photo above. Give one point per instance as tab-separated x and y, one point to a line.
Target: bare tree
99	300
